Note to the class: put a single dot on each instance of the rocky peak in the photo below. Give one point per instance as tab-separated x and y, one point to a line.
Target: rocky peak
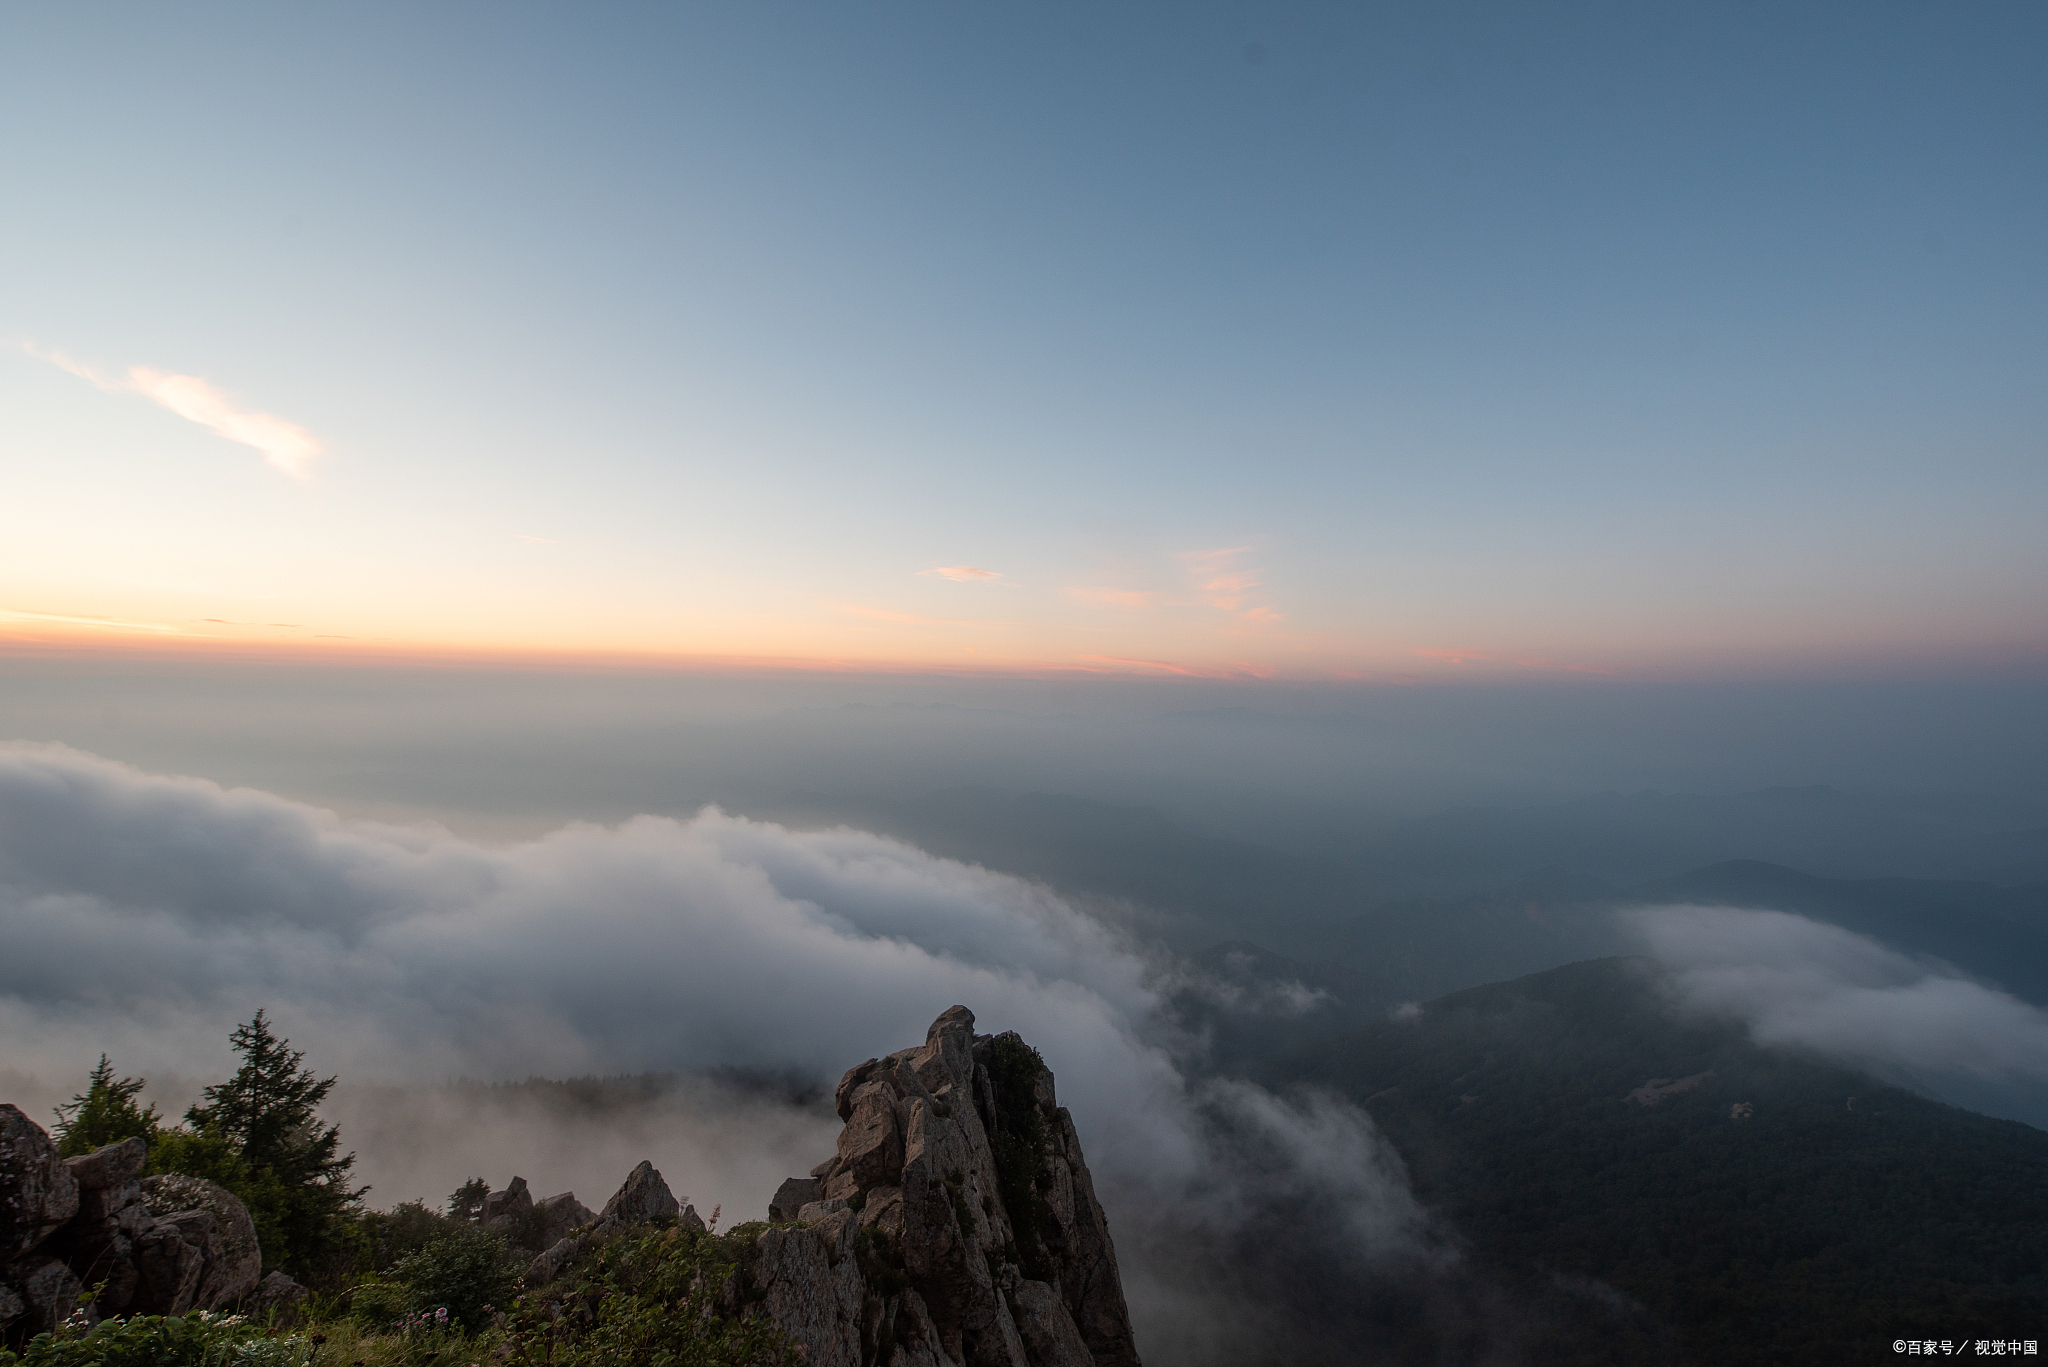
509	1205
960	1179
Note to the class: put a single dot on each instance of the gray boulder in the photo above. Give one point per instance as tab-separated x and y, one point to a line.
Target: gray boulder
99	1242
167	1272
38	1192
110	1165
276	1299
792	1196
562	1216
47	1290
211	1222
152	1245
551	1261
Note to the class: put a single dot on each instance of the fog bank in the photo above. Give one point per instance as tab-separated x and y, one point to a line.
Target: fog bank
1801	984
146	915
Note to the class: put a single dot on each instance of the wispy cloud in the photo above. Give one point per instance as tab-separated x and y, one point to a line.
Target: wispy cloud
1127	662
286	446
1214	579
1222	669
1123	598
1223	582
1464	657
100	623
963	574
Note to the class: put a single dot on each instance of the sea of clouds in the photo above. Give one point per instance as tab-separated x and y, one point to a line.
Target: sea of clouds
145	915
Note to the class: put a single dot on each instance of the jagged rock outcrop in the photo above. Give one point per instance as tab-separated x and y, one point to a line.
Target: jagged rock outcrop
644	1197
813	1286
561	1216
959	1208
153	1245
503	1209
792	1196
955	1226
540	1225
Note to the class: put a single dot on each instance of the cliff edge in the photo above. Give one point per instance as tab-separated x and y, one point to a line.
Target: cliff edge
955	1226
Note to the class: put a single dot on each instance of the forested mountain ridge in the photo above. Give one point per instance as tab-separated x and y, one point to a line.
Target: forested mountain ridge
1710	1200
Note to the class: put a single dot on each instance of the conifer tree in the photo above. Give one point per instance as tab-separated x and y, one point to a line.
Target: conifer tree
297	1183
105	1113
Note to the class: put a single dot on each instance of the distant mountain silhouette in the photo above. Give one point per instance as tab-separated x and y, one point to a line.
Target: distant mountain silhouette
1421	947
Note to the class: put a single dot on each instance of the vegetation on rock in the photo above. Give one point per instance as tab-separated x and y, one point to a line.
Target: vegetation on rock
259	1135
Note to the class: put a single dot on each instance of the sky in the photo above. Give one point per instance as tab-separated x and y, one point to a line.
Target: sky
1273	342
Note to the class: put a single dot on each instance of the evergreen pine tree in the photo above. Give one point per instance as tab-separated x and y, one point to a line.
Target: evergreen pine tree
105	1113
467	1201
297	1186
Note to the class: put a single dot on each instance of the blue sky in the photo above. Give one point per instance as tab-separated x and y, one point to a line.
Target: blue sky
1313	340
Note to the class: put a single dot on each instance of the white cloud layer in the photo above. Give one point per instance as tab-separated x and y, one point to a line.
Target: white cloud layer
145	915
1804	984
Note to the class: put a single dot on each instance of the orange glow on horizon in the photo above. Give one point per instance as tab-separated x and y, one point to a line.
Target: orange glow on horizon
880	642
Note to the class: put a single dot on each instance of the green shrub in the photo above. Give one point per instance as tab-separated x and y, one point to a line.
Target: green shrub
655	1299
466	1271
377	1305
406	1228
293	1351
195	1340
211	1156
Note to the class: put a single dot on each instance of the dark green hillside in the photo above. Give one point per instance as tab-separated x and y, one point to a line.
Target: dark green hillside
1811	1230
